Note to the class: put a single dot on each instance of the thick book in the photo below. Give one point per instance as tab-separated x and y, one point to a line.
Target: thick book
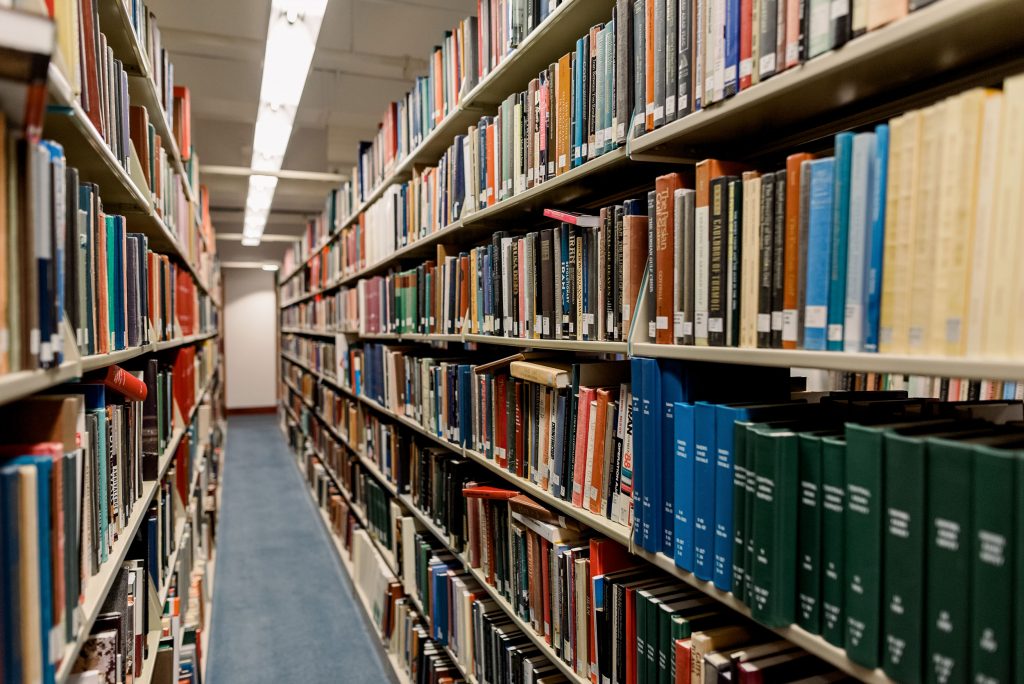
839	241
791	256
766	253
664	261
819	250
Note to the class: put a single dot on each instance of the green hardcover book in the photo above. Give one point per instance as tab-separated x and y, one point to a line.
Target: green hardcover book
660	624
739	509
809	535
642	599
948	561
749	495
865	459
903	548
992	640
833	533
775	518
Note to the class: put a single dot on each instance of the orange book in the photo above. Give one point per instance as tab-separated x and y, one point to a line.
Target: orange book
463	302
592	498
183	121
707	170
563	101
586	396
791	258
664	255
649	64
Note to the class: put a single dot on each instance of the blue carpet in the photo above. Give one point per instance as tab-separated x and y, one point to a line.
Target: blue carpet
283	606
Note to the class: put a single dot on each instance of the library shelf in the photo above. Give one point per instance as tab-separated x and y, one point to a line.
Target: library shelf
149	663
596	346
120	188
20	384
165	586
116	21
904	64
812	643
309	332
98	586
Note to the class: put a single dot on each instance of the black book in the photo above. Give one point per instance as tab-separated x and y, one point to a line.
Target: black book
778	258
683	49
513	278
735	230
718	266
764	280
638	116
496	282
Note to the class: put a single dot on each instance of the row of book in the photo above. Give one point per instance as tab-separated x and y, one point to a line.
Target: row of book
467	54
839	252
75	467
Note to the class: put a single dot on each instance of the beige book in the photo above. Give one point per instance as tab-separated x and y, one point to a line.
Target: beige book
955	228
750	237
881	12
923	250
904	142
983	220
547	373
589	466
703	643
1013	89
28	553
582	617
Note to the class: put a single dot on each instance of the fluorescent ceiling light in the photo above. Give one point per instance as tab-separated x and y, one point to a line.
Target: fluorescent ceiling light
291	42
269	267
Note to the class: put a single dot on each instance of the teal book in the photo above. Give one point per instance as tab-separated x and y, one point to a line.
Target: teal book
683	482
840	231
809	538
903	547
948	561
833	533
739	509
992	639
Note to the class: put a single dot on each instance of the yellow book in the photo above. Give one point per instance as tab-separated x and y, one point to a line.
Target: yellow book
1013	222
750	237
66	14
1004	251
955	228
904	137
984	224
923	251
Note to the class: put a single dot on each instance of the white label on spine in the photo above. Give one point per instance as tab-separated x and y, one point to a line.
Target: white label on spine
792	53
561	160
489	322
650	330
789	325
677	323
767	63
662	322
716	324
537	322
638	120
776	320
547	325
620	130
650	108
815	316
555	480
700	319
764	323
835	332
839	9
610	321
730	73
551	167
593	493
687	328
745	67
33	341
659	113
625	312
670	104
529	175
431	320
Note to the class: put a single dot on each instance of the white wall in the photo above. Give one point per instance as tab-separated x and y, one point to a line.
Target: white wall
250	337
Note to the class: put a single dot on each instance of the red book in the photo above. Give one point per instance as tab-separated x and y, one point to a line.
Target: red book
746	42
683	674
485	492
520	389
500	420
183	121
664	255
574	218
545	548
120	380
582	429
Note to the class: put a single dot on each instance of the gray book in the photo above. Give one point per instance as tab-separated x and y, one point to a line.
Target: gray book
684	26
659	62
639	74
684	265
671	56
767	37
623	39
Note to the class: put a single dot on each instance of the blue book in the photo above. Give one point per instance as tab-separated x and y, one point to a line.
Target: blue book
651	408
637	383
861	168
732	46
703	490
683	480
725	420
57	252
581	62
840	231
671	392
876	239
10	590
819	253
439	595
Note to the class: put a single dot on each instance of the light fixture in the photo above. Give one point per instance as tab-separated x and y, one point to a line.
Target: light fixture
269	267
291	41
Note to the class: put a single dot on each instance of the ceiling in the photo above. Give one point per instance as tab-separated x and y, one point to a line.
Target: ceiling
367	55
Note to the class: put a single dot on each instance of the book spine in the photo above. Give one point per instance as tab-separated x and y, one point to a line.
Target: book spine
876	239
840	232
704	490
903	550
725	420
683	479
819	250
764	278
652	444
684	59
732	22
809	527
778	258
833	503
717	264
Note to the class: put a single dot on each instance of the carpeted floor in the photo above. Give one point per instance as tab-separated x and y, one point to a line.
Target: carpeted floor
283	607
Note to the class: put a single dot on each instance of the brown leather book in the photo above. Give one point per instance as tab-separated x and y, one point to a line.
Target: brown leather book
664	251
791	258
649	65
91	88
563	89
463	291
593	498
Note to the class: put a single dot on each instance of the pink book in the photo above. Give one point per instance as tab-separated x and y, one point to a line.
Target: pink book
587	395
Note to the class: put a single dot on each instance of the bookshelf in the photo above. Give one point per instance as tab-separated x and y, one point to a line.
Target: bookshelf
941	49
